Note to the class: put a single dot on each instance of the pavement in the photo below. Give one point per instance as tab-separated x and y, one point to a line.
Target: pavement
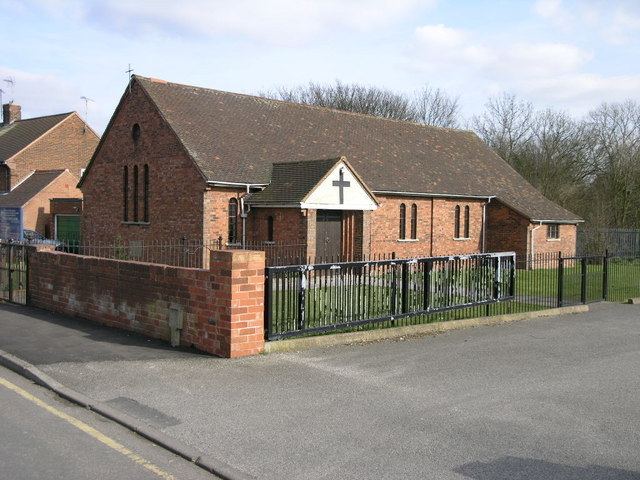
554	397
44	436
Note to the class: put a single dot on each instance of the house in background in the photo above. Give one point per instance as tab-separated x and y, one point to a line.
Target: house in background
28	205
39	160
178	161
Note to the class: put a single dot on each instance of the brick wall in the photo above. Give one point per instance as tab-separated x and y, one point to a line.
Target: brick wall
216	213
507	230
37	211
62	206
565	244
176	187
434	237
69	145
222	309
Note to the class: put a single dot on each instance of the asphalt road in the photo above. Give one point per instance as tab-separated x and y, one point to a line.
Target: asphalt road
43	436
552	398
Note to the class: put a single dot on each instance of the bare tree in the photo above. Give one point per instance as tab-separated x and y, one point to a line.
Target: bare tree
614	136
432	106
429	106
349	97
505	125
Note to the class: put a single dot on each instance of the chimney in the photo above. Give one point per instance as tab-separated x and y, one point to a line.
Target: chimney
10	113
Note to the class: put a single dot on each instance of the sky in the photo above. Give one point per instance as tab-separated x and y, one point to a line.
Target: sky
570	55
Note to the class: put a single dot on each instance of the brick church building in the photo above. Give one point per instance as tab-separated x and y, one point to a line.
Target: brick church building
183	162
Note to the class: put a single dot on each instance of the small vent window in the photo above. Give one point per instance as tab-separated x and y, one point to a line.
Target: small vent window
135	132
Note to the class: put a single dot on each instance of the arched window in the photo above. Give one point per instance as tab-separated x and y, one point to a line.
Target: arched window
456	232
135	193
466	221
270	228
135	132
414	221
125	193
5	178
403	221
233	221
145	192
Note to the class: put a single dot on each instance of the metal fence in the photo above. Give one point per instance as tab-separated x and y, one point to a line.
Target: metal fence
317	298
195	253
350	297
13	273
617	241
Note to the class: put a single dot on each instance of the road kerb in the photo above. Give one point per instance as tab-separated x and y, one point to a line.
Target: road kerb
206	462
330	340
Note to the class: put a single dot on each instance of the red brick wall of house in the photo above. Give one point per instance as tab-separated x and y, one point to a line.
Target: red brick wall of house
289	233
507	230
222	308
69	146
216	214
37	211
433	238
62	206
444	226
565	244
176	187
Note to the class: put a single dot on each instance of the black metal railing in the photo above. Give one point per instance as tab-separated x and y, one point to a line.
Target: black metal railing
350	297
191	253
316	298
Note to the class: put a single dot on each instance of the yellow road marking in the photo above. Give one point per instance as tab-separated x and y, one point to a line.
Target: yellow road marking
109	442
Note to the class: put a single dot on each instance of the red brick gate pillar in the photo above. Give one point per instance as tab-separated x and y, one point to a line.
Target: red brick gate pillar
237	278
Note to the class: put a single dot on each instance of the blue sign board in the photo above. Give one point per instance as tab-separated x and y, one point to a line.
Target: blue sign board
11	223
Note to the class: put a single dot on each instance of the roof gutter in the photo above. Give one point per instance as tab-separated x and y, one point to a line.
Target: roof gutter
439	195
217	183
533	220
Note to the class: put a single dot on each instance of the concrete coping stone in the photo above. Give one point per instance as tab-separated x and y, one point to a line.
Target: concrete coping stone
330	340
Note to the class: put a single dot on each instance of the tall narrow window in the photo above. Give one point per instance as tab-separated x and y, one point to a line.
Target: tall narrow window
414	221
135	193
5	178
403	221
125	193
270	228
553	231
466	221
456	232
145	192
233	221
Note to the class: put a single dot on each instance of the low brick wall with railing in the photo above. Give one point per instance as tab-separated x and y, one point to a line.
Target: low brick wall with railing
219	310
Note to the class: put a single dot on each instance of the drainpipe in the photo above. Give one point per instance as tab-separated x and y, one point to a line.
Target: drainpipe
484	224
243	215
531	242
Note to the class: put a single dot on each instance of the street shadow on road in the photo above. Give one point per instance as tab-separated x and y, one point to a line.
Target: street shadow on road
42	337
516	468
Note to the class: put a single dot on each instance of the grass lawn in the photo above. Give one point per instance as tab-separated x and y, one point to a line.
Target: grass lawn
624	281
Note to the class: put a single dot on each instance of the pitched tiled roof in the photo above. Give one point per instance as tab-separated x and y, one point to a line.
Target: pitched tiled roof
17	135
292	181
237	138
26	190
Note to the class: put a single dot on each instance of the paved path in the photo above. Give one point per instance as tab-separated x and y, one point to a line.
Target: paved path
546	398
42	436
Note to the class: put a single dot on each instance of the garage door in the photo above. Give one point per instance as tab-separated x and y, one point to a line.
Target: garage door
68	228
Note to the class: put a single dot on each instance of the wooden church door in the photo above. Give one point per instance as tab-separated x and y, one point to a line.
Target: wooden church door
328	234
